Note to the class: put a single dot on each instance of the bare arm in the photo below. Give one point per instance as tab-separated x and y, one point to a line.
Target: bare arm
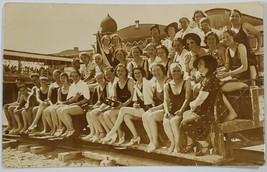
244	60
166	102
249	29
226	62
188	93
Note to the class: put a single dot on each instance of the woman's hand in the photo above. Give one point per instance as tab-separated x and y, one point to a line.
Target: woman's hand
178	113
136	105
222	74
120	106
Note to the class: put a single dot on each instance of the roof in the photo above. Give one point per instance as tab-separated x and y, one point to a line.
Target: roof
130	33
13	54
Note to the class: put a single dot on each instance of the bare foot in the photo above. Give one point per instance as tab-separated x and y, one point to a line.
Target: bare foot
171	148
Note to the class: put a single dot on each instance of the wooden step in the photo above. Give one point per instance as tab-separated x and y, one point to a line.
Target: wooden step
65	156
254	154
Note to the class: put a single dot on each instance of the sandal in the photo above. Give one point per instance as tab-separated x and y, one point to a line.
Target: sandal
204	150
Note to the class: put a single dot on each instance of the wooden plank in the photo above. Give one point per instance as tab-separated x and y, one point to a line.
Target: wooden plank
212	159
40	149
65	156
256	148
254	92
236	125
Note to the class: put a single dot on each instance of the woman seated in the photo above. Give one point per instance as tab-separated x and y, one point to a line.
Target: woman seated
197	121
177	94
77	99
50	113
156	113
123	93
101	95
142	99
96	115
100	65
18	110
43	101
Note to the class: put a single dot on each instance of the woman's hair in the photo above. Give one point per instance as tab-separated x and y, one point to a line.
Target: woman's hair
99	73
142	71
209	34
229	31
179	40
172	66
237	11
57	71
65	74
198	11
150	45
161	67
164	48
120	49
124	67
75	71
116	35
104	37
136	47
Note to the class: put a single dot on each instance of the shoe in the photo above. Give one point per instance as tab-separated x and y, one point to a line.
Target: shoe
32	127
121	139
70	133
58	132
134	141
204	150
151	147
188	149
86	138
107	138
64	134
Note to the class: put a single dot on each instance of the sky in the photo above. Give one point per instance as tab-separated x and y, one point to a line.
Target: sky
52	28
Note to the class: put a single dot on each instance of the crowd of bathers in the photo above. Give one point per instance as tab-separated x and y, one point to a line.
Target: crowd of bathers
173	82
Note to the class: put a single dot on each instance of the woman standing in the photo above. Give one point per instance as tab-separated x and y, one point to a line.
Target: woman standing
151	51
100	65
171	30
177	94
120	55
137	61
163	53
106	45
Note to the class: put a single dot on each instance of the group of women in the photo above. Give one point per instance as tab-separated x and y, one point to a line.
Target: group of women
177	93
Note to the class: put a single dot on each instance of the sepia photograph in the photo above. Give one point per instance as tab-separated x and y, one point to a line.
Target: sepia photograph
95	85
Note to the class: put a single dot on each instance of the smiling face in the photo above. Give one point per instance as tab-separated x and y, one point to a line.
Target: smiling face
176	72
157	71
191	44
120	56
198	16
138	74
75	77
85	58
151	51
109	75
178	46
211	41
205	27
121	72
35	80
171	31
43	82
227	38
184	23
136	53
115	40
161	53
235	17
63	79
106	41
201	66
100	78
154	32
98	59
56	75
